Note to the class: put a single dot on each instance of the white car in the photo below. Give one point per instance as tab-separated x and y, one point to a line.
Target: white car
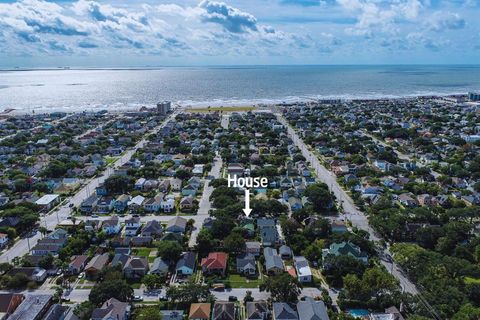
137	298
81	275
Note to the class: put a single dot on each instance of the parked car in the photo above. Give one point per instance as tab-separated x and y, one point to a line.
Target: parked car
232	298
81	275
137	298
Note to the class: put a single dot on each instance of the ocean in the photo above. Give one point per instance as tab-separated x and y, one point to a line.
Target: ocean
118	89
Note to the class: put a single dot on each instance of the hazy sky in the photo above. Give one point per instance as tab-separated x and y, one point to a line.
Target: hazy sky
36	33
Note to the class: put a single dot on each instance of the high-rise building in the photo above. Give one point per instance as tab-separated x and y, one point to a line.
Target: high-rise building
164	107
474	96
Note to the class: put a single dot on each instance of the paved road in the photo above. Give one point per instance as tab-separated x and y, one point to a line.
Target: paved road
50	220
356	216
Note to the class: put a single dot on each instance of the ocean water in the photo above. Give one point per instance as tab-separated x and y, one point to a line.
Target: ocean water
85	89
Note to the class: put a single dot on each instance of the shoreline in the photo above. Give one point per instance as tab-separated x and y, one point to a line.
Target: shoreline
226	103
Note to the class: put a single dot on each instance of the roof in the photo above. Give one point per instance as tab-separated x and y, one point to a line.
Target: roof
200	311
6	301
111	308
282	311
346	248
31	307
246	260
152	226
187	260
177	222
172	314
46	199
78	261
56	312
215	260
98	262
137	263
256	310
224	311
285	250
159	265
272	259
301	264
312	310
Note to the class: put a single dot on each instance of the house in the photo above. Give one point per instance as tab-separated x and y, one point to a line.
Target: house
56	312
282	311
121	203
135	268
252	247
235	169
92	225
338	226
34	307
96	264
285	252
189	190
215	263
152	228
304	273
167	205
186	203
391	313
135	203
200	311
139	184
176	184
112	309
197	169
89	204
246	265
224	311
111	226
172	314
3	240
153	204
344	248
132	226
33	273
176	225
159	267
273	262
406	200
257	310
104	205
47	202
186	264
310	309
77	264
9	302
268	232
295	203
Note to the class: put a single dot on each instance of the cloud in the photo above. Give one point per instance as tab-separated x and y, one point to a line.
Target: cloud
303	3
441	21
87	44
232	19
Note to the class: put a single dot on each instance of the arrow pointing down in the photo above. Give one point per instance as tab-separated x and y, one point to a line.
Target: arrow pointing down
247	209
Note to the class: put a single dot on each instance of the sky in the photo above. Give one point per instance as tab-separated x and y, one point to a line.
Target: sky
139	33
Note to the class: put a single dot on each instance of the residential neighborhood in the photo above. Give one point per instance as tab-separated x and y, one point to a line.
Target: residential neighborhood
131	216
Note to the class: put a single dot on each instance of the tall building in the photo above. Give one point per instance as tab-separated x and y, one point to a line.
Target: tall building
164	107
474	96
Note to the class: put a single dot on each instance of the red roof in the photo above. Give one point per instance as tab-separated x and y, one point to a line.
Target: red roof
215	260
291	271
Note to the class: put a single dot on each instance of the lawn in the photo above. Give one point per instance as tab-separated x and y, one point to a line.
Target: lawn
237	281
470	280
142	252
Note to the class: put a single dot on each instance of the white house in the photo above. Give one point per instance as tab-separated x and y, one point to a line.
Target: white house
48	201
167	205
304	273
111	226
3	239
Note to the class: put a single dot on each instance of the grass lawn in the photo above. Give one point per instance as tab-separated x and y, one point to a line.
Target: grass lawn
143	252
469	280
237	281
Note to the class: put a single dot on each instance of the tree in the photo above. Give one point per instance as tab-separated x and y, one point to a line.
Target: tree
188	293
46	262
234	243
148	313
57	296
248	297
319	196
170	250
282	288
205	242
152	281
118	289
118	184
84	310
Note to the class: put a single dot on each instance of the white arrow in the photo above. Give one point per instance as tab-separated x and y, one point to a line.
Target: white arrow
247	209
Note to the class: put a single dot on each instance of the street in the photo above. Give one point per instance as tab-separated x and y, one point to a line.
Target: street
357	217
49	221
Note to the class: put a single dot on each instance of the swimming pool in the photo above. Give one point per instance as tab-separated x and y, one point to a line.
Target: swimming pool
358	313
